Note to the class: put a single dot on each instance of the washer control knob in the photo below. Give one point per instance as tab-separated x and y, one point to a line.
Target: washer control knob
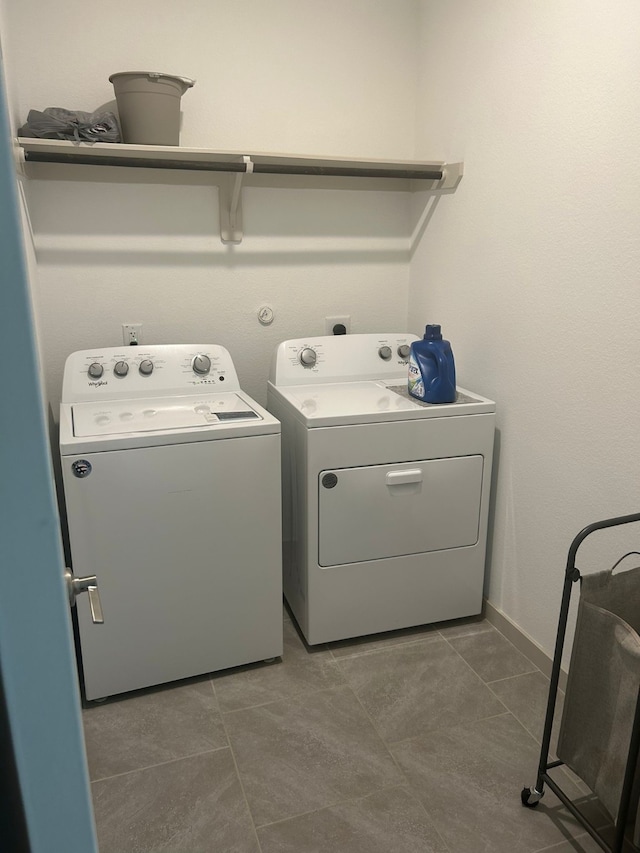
201	364
146	367
404	350
385	353
95	370
308	357
121	368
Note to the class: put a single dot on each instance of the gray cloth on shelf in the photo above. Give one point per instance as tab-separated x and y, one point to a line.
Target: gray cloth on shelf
59	123
602	688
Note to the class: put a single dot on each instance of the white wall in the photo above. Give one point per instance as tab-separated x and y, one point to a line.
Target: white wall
532	267
335	78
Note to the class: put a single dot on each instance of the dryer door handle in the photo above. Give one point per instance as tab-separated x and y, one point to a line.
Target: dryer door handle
401	478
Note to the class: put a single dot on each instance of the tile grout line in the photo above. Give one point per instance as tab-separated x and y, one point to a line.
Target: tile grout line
513	713
330	805
235	764
517	675
358	799
536	668
408	785
560	844
292	698
403	784
377	731
432	821
159	764
390	645
480	679
507	678
537	740
425	634
469	667
486	684
518	652
504	713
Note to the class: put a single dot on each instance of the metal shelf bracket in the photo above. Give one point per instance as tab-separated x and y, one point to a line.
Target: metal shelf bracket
20	161
453	173
230	201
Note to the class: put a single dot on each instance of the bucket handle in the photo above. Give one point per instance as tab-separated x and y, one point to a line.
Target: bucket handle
186	81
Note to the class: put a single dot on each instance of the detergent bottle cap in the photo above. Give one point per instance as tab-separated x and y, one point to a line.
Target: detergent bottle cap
432	333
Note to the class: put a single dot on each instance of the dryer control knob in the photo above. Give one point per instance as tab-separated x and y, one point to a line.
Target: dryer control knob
146	367
308	357
121	368
95	370
201	364
385	353
404	350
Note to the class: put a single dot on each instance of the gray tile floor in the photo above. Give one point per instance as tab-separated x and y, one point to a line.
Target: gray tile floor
417	741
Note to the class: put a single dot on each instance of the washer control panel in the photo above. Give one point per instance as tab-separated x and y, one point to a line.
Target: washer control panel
342	358
114	373
150	414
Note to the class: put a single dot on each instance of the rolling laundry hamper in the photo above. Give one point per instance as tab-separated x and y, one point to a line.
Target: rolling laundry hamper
599	738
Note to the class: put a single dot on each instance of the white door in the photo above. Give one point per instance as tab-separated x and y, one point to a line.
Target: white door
37	663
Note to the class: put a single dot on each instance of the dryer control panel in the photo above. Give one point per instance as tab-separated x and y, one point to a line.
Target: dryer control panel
342	358
112	373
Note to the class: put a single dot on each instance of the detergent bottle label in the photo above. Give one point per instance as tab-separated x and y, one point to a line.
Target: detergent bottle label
416	383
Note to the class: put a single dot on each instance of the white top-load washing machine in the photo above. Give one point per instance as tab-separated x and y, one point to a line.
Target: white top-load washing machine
172	485
385	498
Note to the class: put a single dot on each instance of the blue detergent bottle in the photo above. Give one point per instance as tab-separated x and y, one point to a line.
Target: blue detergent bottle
432	370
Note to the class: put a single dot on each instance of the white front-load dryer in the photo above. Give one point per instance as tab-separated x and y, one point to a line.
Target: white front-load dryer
385	498
172	487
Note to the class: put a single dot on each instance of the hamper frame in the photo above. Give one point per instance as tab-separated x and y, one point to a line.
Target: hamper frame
530	797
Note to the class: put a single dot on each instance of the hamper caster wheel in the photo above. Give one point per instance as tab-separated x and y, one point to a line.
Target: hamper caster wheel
530	797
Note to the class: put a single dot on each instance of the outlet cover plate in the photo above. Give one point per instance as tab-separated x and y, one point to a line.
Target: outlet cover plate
131	333
330	322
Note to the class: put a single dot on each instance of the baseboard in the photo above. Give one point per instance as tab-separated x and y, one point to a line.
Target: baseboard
522	641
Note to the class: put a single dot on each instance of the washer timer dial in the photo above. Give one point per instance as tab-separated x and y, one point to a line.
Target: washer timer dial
146	367
201	364
307	357
385	353
95	370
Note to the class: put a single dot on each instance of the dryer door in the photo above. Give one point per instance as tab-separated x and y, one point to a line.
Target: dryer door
382	511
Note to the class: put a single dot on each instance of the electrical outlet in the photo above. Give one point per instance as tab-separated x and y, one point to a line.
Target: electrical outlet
132	334
331	322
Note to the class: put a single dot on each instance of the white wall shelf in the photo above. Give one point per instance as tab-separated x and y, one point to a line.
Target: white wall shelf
233	166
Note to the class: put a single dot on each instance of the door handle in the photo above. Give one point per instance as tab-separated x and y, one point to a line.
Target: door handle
400	478
89	585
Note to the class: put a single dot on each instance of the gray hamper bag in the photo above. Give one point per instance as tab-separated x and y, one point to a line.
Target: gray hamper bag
602	689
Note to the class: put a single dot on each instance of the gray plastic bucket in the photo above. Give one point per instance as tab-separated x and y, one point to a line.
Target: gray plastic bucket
149	106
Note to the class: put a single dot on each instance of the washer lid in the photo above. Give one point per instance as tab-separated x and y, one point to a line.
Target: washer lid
115	417
335	403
